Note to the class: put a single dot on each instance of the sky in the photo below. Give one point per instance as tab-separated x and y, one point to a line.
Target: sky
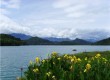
72	19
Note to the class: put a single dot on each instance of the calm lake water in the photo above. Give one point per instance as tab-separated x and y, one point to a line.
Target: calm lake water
12	58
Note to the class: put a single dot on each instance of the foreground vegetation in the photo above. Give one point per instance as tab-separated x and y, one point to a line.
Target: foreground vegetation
82	66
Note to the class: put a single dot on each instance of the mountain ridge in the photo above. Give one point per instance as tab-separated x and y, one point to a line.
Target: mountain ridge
103	42
21	36
41	41
53	39
8	40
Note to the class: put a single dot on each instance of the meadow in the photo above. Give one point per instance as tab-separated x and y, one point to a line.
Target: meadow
80	66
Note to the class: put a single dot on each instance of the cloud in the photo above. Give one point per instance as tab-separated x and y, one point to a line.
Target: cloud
74	8
76	14
64	18
62	3
80	8
71	33
15	4
8	5
53	32
71	7
75	11
7	25
4	11
32	22
96	34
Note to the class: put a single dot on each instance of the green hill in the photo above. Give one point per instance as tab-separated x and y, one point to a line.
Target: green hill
37	41
8	40
75	42
103	42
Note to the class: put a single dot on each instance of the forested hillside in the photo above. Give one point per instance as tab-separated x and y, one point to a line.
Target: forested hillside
8	40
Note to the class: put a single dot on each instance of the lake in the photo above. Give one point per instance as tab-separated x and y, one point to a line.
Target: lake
12	58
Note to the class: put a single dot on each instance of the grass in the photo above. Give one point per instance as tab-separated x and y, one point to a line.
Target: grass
82	66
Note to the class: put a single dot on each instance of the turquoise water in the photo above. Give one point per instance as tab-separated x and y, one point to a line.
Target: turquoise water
12	58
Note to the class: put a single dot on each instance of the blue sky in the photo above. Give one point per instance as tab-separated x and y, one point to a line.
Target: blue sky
56	18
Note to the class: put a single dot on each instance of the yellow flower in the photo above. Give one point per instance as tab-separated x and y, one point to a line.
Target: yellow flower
85	70
74	57
53	77
88	66
86	58
59	58
71	67
72	60
54	53
97	55
37	59
65	56
36	70
78	59
70	57
54	63
43	61
48	74
105	59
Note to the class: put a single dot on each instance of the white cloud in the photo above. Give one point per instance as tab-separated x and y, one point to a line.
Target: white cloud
62	3
10	3
54	32
76	19
96	34
75	8
71	33
76	14
75	11
79	8
4	11
7	25
45	21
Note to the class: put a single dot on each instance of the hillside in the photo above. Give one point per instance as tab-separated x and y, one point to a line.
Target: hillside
8	40
54	39
21	36
103	42
75	42
37	41
40	41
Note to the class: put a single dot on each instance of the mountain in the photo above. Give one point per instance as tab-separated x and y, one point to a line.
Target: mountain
75	42
91	40
8	40
37	41
53	39
21	36
103	42
40	41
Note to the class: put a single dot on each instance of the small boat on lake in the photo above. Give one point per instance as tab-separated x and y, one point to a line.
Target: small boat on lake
74	50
